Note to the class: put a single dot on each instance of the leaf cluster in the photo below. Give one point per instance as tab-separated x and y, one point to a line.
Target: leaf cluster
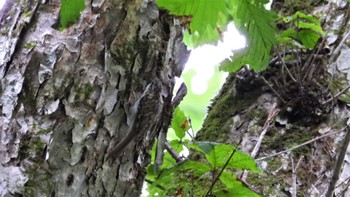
209	18
304	29
221	162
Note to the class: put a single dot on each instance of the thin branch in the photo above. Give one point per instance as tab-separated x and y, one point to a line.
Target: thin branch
173	153
345	188
336	51
337	95
218	176
274	91
298	146
159	186
312	59
285	66
339	163
272	114
345	180
294	175
193	134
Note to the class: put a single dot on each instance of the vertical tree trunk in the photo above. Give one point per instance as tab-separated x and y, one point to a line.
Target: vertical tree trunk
245	105
67	98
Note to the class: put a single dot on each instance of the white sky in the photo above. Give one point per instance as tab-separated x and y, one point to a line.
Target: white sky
203	59
2	2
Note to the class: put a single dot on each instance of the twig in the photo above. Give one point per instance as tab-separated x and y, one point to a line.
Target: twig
339	45
294	175
193	134
337	95
273	112
345	180
345	188
285	66
298	146
159	186
180	95
218	176
339	163
312	58
274	91
173	153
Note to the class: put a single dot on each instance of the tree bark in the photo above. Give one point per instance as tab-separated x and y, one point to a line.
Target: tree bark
246	104
68	98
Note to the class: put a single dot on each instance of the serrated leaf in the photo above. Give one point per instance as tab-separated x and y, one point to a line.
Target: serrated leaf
207	16
313	27
307	30
306	17
180	123
257	24
229	179
70	11
308	38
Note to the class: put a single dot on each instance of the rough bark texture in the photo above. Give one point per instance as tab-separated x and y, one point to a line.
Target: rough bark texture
67	98
240	111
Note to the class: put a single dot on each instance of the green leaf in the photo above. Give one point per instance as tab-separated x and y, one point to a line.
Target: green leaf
207	16
308	38
197	167
176	145
218	154
229	179
235	187
70	12
287	35
307	30
299	15
257	24
180	123
204	147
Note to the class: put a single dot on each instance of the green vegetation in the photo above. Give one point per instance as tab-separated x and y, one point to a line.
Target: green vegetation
258	25
29	45
70	12
250	17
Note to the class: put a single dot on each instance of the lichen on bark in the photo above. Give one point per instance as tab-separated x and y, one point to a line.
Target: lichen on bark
67	96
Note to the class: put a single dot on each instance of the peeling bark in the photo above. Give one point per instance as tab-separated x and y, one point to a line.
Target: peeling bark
68	97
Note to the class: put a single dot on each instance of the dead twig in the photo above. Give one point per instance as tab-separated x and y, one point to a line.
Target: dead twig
336	51
294	175
342	193
312	58
337	95
285	67
339	163
272	114
273	90
173	153
300	145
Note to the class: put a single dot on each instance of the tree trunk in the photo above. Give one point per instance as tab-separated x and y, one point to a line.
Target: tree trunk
247	105
68	98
